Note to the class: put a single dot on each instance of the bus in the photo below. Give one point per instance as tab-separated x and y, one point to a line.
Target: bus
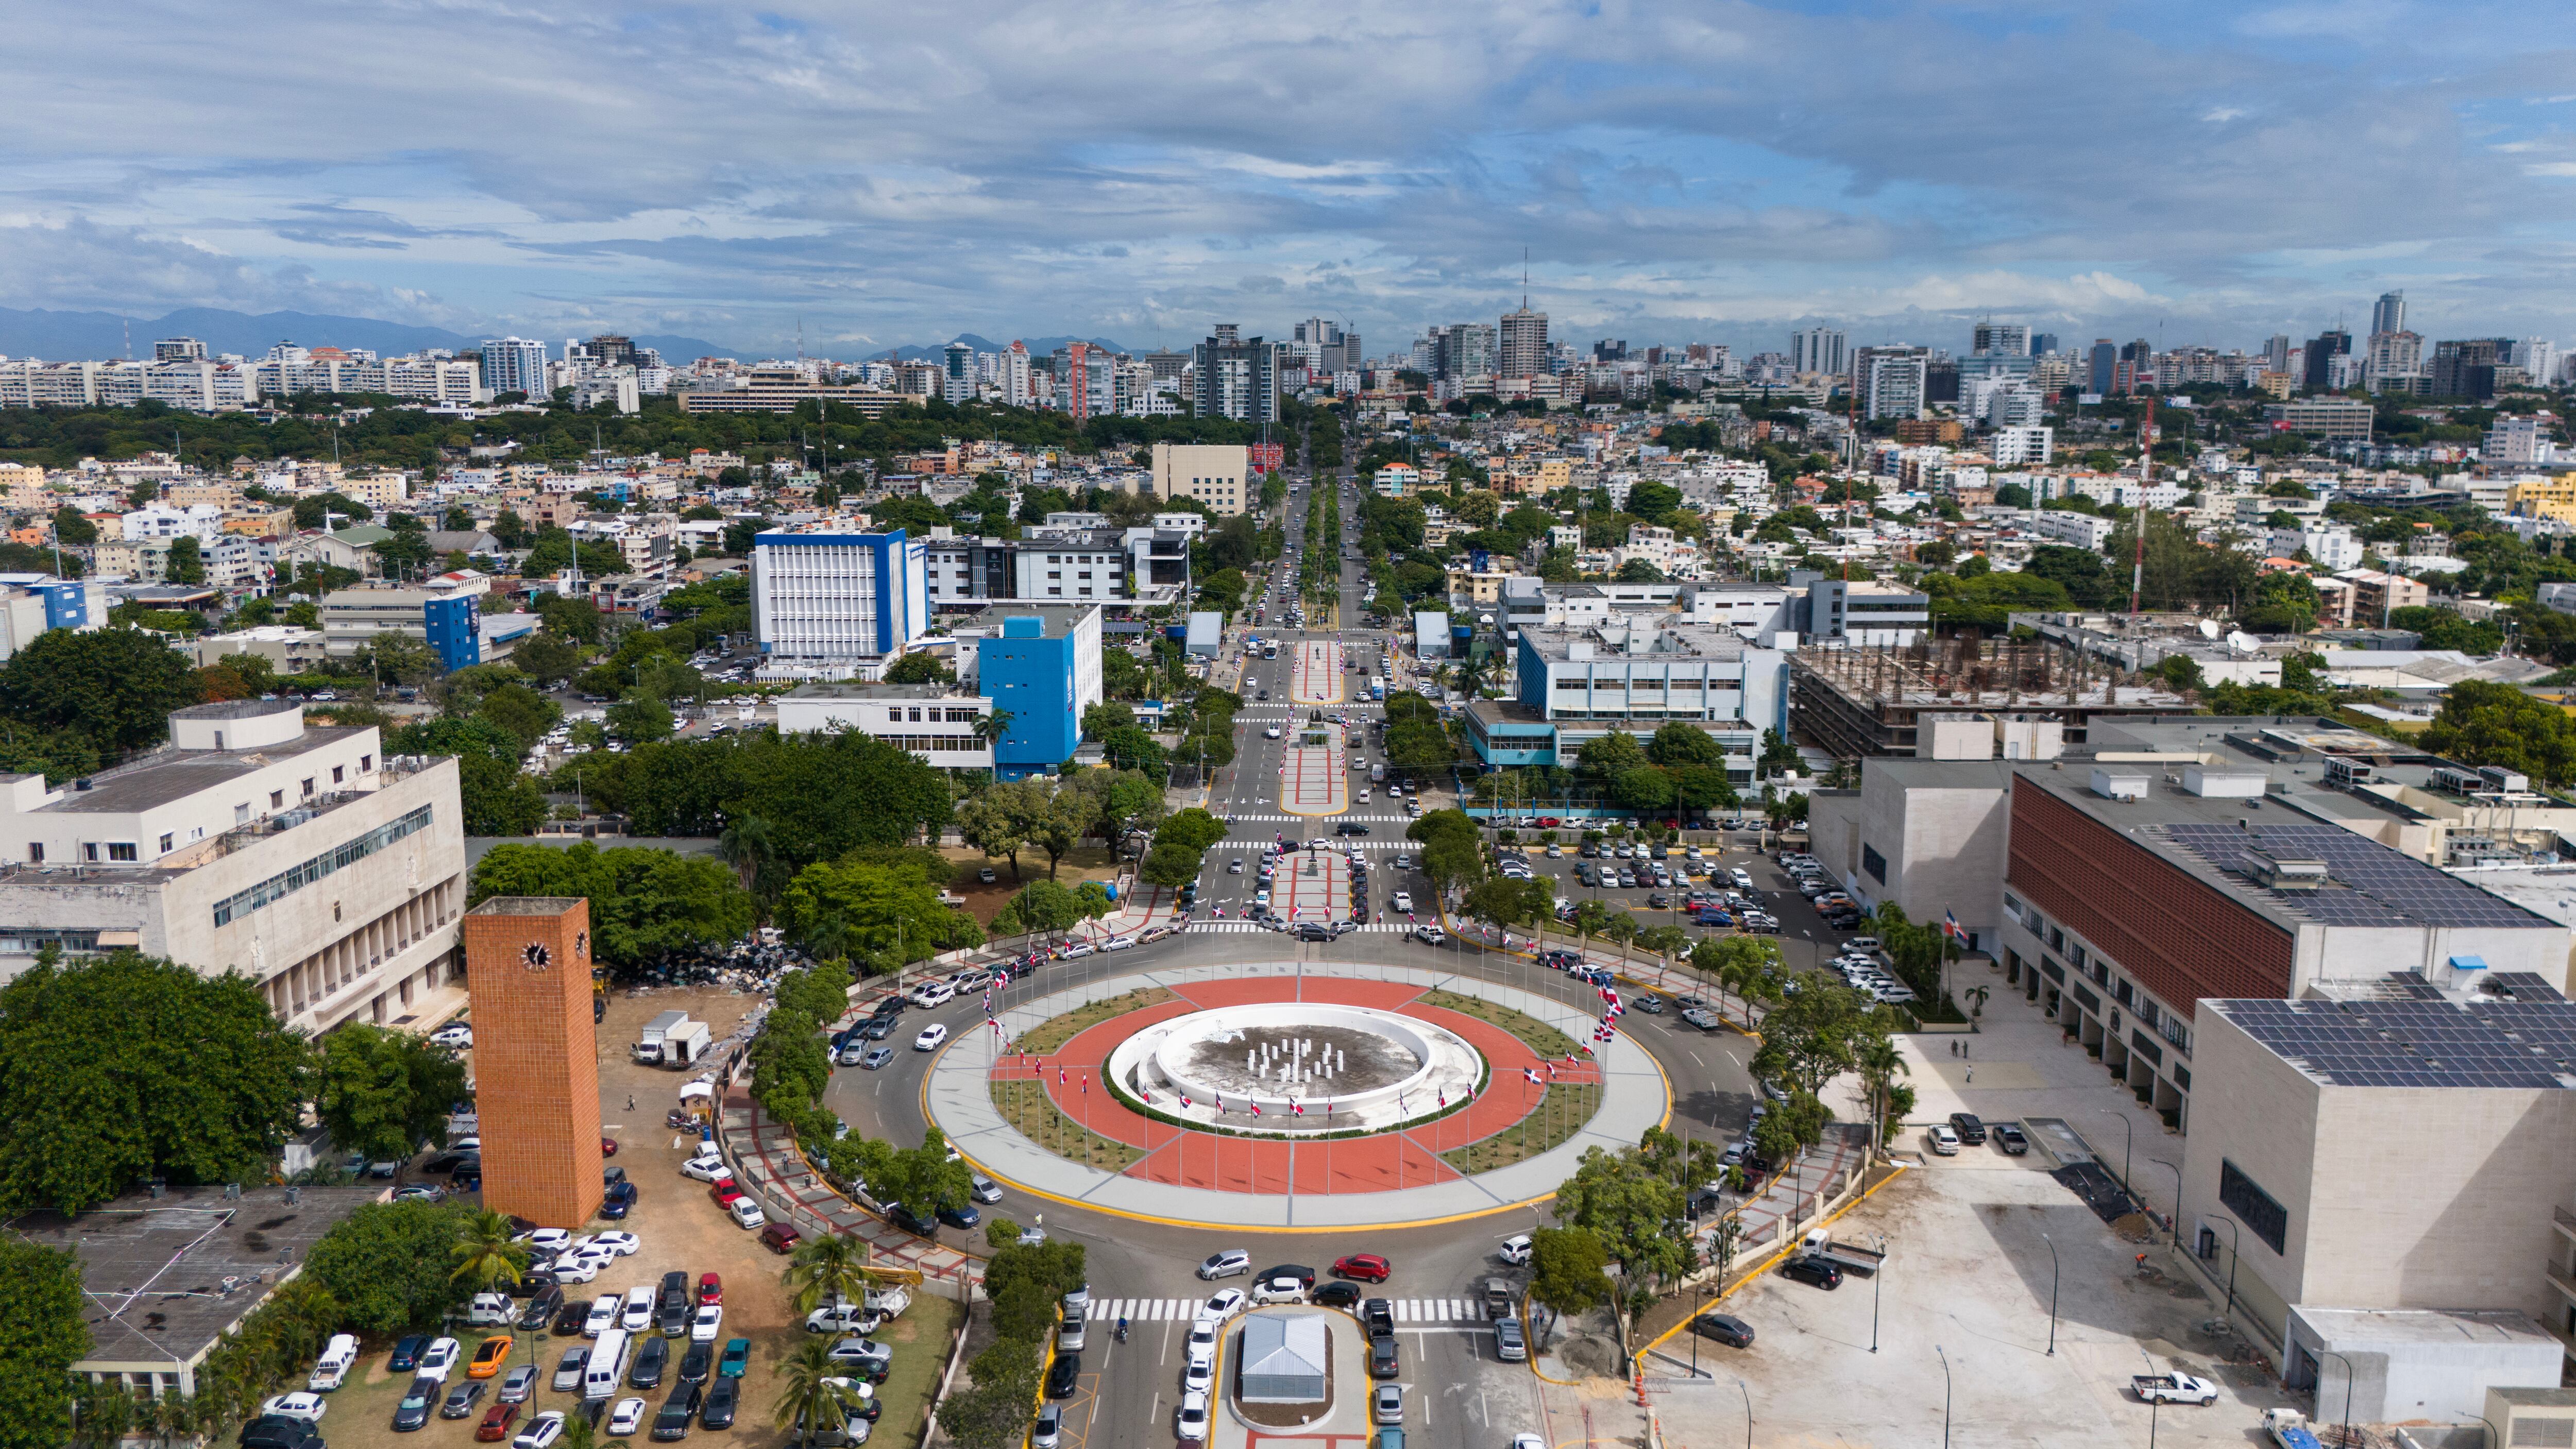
1377	689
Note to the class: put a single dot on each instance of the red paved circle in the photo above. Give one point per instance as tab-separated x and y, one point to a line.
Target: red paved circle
1383	1163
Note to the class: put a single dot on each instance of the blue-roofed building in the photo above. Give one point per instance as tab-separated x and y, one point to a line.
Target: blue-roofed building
1041	665
836	604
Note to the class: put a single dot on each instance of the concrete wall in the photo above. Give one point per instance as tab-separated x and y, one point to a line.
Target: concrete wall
1944	848
2254	1109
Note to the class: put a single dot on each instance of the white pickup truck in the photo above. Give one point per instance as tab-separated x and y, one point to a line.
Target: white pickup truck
2173	1389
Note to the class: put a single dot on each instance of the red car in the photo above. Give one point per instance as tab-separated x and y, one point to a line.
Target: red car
779	1238
710	1289
724	1192
608	1147
1366	1267
496	1424
1548	822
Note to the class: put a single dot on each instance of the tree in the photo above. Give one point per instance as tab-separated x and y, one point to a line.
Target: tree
43	1332
920	667
639	717
526	714
1109	714
812	1389
187	561
2497	724
128	1067
486	1254
392	658
74	529
388	1264
991	824
1605	758
828	1269
384	1093
1130	748
1681	743
887	909
118	687
644	903
1638	1212
1816	1032
1566	1269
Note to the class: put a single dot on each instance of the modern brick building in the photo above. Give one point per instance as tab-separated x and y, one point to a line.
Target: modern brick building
536	1057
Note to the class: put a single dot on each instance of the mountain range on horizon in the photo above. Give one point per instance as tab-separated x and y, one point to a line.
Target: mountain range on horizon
77	336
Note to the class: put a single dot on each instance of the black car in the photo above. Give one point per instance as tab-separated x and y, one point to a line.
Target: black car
723	1396
888	1006
1970	1130
619	1202
652	1359
417	1401
1337	1295
671	1305
910	1221
548	1302
2010	1139
1383	1363
1062	1376
407	1352
697	1363
1726	1328
956	1216
277	1431
1350	827
672	1420
1313	931
1305	1276
1813	1270
1378	1316
571	1317
1658	901
461	1398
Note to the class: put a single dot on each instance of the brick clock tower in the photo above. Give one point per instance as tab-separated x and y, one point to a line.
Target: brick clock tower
536	1057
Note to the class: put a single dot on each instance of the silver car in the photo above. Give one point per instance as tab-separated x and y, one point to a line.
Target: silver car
1387	1405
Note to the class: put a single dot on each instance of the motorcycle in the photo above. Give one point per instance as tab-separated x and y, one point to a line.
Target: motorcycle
1122	1330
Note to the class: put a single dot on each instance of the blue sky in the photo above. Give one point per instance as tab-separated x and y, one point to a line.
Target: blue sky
1678	171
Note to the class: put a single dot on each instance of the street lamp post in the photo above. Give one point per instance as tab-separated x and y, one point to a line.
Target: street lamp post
1748	1413
2177	1212
2125	1153
1945	1397
2235	1235
1874	1280
2052	1294
2347	1394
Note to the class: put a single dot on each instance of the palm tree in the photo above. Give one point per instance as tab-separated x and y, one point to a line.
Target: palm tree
1621	928
1880	1063
578	1433
746	846
829	1268
806	1389
484	1254
993	726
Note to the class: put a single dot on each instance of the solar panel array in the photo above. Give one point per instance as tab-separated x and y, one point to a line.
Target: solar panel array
2418	1043
2371	884
2524	986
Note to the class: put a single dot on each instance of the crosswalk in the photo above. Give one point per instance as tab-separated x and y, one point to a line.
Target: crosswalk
1335	819
1184	1310
1196	927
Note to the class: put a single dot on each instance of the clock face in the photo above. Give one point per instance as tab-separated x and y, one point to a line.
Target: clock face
537	957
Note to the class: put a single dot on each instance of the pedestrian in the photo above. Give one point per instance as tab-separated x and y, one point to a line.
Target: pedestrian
630	1101
1972	1076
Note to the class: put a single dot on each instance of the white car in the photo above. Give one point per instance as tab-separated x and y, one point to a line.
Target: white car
638	1312
307	1407
1192	1422
1202	1344
1277	1290
1261	897
709	1167
625	1417
1199	1378
1743	878
1271	733
747	1214
1943	1141
931	1036
1222	1305
547	1242
546	1428
438	1362
622	1244
1403	901
704	1324
603	1316
577	1267
454	1034
1516	1249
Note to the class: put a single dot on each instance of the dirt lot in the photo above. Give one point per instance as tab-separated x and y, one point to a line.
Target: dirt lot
682	1229
983	902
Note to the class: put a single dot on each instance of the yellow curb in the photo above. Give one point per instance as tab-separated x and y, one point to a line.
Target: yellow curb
1637	1360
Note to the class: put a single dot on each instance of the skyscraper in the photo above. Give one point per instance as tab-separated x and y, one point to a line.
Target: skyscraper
1892	381
2010	339
1074	365
1237	378
2042	343
1524	343
2105	365
2318	376
958	368
515	364
1819	349
2389	315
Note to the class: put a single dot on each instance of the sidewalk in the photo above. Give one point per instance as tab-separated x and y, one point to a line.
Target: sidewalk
766	1162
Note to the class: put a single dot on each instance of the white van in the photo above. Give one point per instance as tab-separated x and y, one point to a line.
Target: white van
338	1357
489	1310
607	1365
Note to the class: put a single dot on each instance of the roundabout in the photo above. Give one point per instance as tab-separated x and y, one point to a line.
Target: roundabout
1450	1096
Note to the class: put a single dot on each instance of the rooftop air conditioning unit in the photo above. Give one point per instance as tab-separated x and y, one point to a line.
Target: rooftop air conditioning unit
2119	784
2287	875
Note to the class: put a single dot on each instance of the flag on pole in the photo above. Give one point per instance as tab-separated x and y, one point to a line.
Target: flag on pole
1551	1071
1950	925
1059	1075
1185	1101
1086	1084
1299	1108
1444	1096
1530	1074
1256	1109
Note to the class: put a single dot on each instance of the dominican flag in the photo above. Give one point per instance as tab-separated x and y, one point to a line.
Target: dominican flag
1256	1109
1444	1096
1587	1051
1298	1108
1059	1076
1609	995
1328	1109
1086	1084
1551	1072
1220	1101
1950	926
1148	1091
1530	1074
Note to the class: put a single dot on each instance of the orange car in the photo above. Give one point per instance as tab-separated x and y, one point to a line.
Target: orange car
490	1358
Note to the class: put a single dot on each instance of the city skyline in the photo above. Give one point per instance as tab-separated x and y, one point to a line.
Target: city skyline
896	179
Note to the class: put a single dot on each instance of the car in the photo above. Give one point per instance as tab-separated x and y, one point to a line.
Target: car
490	1357
419	1192
707	1166
1704	1020
608	1147
1509	1344
985	1189
636	1313
1271	733
1386	1406
1277	1290
1234	866
1063	1374
1429	935
1943	1141
305	1405
1190	1421
438	1360
413	1409
746	1214
542	1431
652	1360
695	1364
1383	1360
1726	1328
1808	1269
407	1352
1402	901
1516	1249
577	1267
861	1353
961	1215
1222	1305
780	1238
1048	1430
1313	931
1366	1267
2009	1138
735	1361
678	1412
454	1034
930	1038
604	1312
497	1423
878	1029
568	1369
518	1384
723	1401
1337	1295
1970	1130
876	1058
626	1416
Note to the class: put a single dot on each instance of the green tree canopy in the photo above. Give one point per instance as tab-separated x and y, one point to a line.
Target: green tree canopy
117	686
43	1332
388	1265
644	903
384	1093
889	911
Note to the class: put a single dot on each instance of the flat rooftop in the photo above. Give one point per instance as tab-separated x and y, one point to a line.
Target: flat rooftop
163	1278
1654	640
859	689
171	775
2517	1033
